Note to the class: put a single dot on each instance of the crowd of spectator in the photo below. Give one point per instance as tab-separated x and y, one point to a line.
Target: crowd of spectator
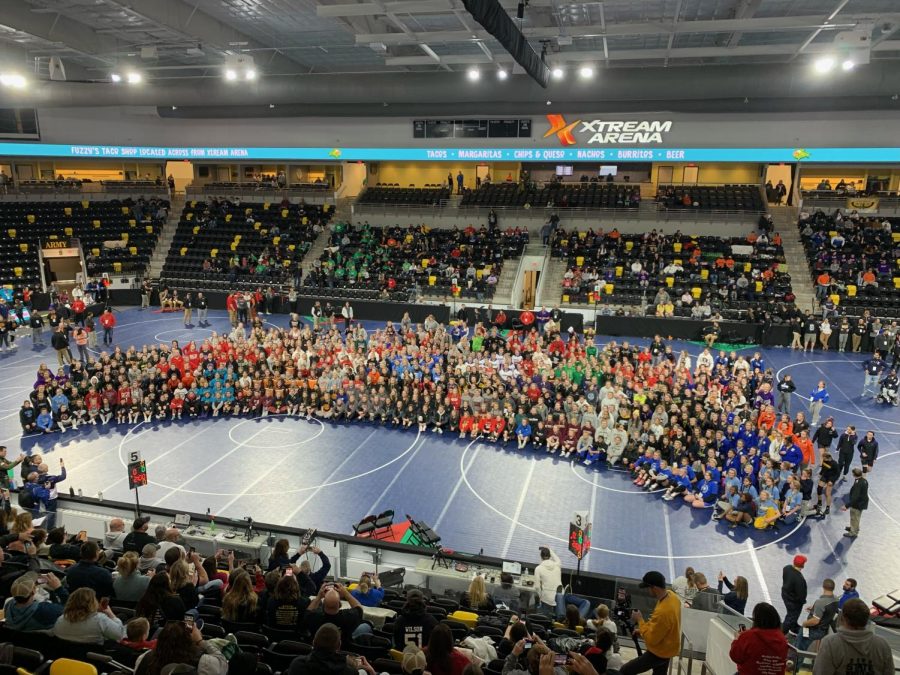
394	259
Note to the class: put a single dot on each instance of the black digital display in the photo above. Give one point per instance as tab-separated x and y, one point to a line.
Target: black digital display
497	128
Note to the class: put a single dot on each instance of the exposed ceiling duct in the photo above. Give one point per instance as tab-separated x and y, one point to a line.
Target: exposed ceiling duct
495	20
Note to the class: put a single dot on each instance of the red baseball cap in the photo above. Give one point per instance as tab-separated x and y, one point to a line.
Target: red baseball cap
799	560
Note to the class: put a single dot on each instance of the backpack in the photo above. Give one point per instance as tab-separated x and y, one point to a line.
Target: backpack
26	498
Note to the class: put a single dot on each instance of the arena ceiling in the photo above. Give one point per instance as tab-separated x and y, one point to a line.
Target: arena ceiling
377	45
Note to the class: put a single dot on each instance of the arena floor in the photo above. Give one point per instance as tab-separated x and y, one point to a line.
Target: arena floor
294	472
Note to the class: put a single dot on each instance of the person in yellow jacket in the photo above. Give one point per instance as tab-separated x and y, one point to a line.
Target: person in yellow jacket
661	632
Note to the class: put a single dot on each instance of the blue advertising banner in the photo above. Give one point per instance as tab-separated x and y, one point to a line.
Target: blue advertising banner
585	154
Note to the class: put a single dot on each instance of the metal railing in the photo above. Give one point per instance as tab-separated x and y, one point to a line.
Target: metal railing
249	192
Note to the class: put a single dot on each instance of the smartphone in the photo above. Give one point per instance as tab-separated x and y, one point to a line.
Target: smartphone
560	659
288	571
193	550
529	644
41	580
189	621
104	603
742	627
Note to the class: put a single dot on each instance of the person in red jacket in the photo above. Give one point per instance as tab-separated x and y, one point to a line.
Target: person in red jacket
108	321
763	649
78	308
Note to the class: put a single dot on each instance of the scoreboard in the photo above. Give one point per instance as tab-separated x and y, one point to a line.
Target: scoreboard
137	474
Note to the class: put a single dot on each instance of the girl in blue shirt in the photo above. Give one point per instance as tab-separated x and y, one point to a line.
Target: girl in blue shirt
706	493
368	591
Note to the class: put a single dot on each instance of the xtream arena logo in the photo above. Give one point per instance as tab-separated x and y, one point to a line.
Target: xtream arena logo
608	132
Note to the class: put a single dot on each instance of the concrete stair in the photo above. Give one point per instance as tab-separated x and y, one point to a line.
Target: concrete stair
164	243
551	291
505	283
785	218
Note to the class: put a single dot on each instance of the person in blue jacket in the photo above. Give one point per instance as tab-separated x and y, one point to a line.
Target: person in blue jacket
523	434
49	482
25	610
679	484
706	494
791	453
45	421
818	397
368	591
849	593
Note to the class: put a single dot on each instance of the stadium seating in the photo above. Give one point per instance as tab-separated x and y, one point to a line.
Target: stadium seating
428	196
562	195
601	268
26	224
235	186
391	260
218	245
711	197
850	249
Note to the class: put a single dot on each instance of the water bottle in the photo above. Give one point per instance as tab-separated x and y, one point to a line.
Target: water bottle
79	492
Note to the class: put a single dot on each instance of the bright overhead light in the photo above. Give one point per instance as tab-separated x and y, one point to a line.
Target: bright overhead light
473	74
502	74
824	64
13	80
586	72
557	73
250	74
134	78
230	74
848	64
115	77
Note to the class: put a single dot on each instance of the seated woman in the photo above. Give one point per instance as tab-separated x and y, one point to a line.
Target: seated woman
240	602
368	591
476	597
285	607
743	513
706	493
85	621
768	512
442	657
180	644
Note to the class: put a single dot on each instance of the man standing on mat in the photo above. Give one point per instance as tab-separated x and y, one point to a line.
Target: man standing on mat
857	502
845	447
793	593
661	633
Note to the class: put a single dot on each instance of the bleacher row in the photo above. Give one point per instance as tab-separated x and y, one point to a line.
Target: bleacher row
273	649
218	234
563	195
847	251
610	258
427	196
711	197
24	225
237	186
394	259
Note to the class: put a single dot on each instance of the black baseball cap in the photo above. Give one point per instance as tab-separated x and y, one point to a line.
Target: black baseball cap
653	579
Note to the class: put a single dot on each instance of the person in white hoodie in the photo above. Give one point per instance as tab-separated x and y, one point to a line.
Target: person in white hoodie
854	648
548	579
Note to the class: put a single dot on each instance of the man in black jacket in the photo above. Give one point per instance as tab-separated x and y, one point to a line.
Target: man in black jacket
868	451
857	502
785	388
793	593
845	447
325	658
87	573
60	342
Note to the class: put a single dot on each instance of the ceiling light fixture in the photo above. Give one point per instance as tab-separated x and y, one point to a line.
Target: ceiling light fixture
586	72
230	74
13	80
134	78
824	64
115	77
557	73
473	74
502	74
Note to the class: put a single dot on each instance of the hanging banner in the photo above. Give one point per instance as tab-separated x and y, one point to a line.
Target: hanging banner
863	204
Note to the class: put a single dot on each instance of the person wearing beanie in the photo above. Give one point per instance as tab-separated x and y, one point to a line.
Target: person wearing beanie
763	648
793	593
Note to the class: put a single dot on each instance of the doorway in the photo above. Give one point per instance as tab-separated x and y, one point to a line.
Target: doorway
529	288
665	175
482	171
182	172
691	175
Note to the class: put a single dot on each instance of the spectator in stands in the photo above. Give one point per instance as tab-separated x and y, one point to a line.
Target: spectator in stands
149	559
507	595
88	573
160	603
325	658
818	621
114	538
60	549
129	585
311	581
85	620
170	539
737	594
849	591
186	583
137	637
23	610
368	591
181	645
854	648
548	578
793	593
240	603
138	537
477	598
286	607
442	657
413	625
685	587
763	648
326	608
661	633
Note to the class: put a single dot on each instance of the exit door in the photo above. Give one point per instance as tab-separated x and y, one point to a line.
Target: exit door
691	175
665	175
529	288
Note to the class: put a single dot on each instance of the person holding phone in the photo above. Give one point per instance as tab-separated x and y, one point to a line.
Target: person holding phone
180	644
368	591
24	611
88	620
763	648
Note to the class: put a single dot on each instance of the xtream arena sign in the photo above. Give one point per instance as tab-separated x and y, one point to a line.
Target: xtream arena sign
608	132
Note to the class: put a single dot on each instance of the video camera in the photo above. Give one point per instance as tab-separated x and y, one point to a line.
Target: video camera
622	610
